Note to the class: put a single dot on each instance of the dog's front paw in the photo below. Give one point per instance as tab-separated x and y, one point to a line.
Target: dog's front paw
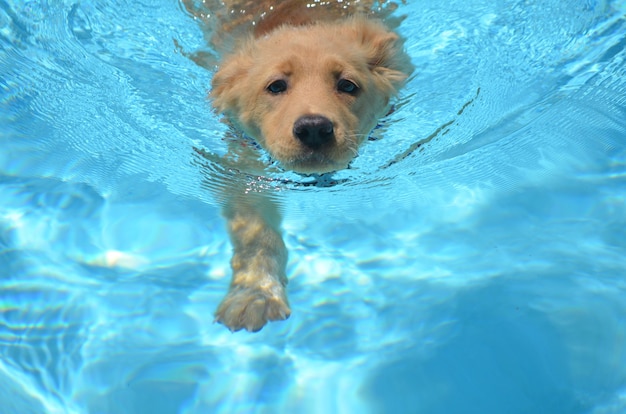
252	307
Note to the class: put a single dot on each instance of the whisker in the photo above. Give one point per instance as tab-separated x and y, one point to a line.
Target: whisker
352	144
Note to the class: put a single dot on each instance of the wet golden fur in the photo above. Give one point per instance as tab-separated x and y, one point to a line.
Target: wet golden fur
308	86
311	60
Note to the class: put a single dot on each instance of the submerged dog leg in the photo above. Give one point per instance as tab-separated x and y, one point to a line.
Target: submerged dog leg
257	291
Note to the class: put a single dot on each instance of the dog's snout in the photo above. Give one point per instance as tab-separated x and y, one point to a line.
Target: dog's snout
314	131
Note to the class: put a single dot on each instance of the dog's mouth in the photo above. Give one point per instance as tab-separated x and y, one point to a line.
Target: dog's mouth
313	162
315	144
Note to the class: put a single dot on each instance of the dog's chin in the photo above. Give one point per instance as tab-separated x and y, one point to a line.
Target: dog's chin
314	163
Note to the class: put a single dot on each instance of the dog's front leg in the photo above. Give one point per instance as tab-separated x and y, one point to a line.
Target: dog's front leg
257	291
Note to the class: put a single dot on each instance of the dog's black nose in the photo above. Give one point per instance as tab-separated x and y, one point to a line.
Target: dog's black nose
314	131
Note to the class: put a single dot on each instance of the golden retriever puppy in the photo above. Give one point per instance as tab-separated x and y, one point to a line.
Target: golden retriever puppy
308	83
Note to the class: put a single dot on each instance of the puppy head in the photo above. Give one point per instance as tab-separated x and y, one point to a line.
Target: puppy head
310	95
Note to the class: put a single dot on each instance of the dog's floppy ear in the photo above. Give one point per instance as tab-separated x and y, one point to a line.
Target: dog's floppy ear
384	51
227	86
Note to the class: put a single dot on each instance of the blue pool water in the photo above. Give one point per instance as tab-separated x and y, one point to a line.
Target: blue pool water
482	271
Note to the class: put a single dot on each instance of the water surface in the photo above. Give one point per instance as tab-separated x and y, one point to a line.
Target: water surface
471	260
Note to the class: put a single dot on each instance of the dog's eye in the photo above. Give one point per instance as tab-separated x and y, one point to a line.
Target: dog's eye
276	87
346	86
